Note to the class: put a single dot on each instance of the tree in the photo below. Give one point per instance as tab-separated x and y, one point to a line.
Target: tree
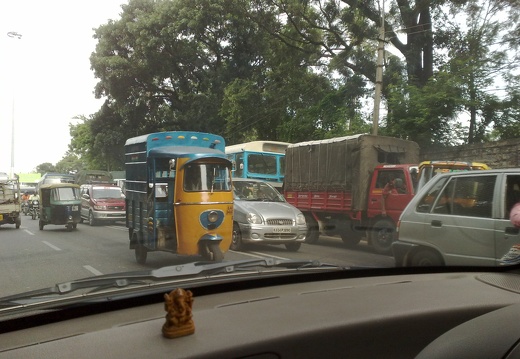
45	167
481	55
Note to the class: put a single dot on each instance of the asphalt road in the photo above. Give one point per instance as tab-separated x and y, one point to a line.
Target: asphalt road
31	258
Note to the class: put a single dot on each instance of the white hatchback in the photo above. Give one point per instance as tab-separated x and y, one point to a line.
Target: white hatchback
461	218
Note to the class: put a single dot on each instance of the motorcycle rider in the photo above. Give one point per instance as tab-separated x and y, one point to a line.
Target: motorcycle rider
33	197
25	202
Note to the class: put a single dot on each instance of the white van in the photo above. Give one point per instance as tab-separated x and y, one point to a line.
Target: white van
461	218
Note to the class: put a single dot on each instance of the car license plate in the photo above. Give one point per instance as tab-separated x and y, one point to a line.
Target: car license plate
75	208
281	230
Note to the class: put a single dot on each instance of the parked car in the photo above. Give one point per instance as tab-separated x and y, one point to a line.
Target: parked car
461	218
262	215
102	202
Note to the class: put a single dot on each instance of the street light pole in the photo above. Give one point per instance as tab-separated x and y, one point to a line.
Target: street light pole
13	35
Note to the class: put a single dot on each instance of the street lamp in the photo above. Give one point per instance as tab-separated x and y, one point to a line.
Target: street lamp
13	35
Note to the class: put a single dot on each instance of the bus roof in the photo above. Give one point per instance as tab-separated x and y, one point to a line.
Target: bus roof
259	146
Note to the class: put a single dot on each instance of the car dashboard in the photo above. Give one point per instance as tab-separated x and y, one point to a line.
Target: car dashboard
386	316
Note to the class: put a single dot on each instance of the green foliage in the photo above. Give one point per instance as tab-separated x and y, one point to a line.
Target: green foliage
294	70
45	167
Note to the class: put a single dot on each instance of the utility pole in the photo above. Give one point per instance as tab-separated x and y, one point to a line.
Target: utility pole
379	71
13	35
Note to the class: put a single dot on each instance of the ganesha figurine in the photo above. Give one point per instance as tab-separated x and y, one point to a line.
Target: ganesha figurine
178	306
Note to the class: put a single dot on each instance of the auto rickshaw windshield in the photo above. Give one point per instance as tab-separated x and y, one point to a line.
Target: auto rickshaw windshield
65	194
214	177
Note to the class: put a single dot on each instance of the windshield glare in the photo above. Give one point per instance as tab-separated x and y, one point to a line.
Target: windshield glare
215	131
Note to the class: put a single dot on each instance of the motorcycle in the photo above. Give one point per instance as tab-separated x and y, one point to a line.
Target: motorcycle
25	207
34	209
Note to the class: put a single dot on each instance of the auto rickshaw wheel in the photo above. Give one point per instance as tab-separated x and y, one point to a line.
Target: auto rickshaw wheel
69	227
41	225
74	225
211	252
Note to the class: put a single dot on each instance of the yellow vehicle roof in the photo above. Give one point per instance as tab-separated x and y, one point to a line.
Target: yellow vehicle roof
455	164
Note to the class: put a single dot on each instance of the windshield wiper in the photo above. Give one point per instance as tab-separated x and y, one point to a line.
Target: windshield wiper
188	270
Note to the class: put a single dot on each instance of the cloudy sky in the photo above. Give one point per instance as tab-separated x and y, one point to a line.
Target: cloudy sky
45	76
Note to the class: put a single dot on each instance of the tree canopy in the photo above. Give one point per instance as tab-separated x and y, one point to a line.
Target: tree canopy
293	70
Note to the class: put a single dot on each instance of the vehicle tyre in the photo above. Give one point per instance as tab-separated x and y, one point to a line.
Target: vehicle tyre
91	220
236	241
313	230
33	214
382	236
350	237
212	252
18	222
74	225
426	258
80	219
69	227
140	253
293	247
41	225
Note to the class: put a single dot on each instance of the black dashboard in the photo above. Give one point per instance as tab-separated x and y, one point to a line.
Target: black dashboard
393	316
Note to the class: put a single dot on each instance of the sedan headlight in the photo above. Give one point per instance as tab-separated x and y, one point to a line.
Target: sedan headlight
254	218
300	218
100	208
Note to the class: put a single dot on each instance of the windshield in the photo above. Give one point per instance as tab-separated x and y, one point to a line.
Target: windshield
207	177
149	94
65	194
106	193
256	191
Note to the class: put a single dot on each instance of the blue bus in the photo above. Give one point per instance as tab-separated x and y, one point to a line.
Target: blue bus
264	160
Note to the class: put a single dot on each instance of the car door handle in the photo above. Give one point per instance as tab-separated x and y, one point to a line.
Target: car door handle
436	223
512	230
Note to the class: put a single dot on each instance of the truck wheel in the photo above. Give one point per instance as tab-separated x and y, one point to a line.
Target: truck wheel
212	252
351	239
236	242
18	222
382	236
313	230
426	258
293	247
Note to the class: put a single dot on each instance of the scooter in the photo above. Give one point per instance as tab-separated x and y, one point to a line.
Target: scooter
25	207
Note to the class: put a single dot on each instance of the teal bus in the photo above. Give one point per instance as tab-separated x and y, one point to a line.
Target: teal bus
264	160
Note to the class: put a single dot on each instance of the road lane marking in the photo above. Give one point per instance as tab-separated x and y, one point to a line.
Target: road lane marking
269	255
258	255
28	231
51	245
92	270
117	227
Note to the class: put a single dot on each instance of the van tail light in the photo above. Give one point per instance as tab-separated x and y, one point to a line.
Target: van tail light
397	229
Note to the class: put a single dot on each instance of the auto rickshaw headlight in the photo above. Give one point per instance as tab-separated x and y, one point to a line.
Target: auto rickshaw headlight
300	218
212	217
254	218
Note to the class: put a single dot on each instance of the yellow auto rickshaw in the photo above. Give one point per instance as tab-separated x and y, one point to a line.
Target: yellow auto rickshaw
60	204
178	195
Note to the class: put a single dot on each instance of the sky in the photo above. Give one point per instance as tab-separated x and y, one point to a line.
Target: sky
45	77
